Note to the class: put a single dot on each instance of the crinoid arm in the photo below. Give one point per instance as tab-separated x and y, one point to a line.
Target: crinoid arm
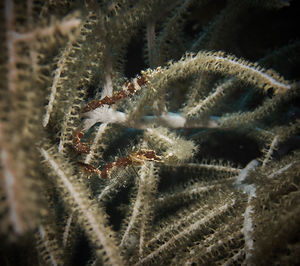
149	132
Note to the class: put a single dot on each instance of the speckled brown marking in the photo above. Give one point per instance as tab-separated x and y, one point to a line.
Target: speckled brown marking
138	157
78	146
89	169
130	88
141	80
144	155
91	106
107	170
123	162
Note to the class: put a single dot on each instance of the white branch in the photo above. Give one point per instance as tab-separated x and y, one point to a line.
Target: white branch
250	190
104	114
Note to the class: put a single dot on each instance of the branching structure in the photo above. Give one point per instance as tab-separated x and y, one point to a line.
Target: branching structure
188	156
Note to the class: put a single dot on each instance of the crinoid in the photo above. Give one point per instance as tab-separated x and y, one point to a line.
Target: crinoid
188	156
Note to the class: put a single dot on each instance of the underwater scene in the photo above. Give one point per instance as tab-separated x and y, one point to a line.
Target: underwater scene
162	132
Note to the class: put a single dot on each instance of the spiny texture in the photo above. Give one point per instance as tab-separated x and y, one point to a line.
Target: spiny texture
149	132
